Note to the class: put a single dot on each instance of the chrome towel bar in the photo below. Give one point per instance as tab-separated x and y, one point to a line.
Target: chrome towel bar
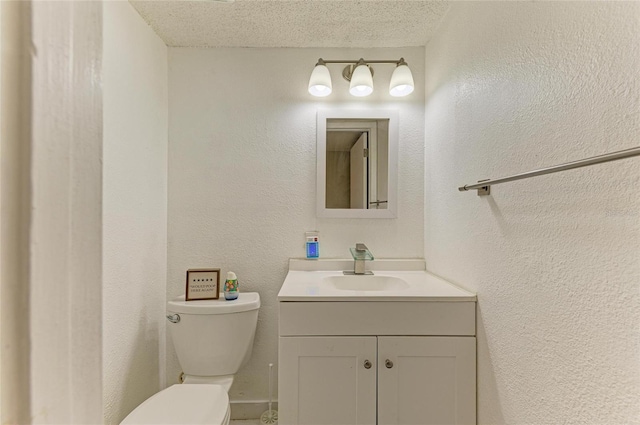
484	186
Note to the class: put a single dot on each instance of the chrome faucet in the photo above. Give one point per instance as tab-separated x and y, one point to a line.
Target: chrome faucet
360	254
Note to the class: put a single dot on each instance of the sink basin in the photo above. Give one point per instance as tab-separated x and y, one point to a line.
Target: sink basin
393	280
366	283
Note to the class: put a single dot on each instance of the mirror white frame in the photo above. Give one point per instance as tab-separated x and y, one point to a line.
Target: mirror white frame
321	162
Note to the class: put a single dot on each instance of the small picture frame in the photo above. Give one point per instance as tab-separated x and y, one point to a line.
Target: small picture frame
202	284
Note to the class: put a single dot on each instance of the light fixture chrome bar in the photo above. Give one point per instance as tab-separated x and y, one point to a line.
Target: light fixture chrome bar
483	186
359	74
399	61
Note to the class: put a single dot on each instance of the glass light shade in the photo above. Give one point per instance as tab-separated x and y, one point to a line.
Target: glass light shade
361	81
320	81
401	81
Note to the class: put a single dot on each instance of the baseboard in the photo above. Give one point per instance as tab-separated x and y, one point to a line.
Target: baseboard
250	409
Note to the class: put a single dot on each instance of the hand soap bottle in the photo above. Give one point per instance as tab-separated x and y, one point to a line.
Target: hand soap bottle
231	287
313	245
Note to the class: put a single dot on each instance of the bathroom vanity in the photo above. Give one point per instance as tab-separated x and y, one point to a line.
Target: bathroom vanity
397	347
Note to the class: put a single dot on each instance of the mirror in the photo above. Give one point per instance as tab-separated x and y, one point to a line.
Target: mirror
357	163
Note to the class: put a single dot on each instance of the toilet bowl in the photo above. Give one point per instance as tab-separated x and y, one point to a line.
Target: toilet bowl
183	404
213	339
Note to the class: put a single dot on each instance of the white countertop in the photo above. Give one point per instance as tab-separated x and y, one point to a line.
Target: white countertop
305	282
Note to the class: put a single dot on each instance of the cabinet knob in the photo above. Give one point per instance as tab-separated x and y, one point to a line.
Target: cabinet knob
367	364
388	363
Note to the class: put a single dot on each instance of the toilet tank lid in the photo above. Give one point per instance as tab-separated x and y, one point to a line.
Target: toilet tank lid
182	404
246	301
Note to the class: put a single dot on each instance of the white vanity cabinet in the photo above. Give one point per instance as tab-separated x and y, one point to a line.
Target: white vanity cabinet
377	380
327	380
426	380
361	357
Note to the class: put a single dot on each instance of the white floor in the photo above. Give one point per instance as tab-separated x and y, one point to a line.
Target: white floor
246	422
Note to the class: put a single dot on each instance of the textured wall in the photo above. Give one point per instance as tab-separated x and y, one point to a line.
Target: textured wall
135	210
555	259
242	174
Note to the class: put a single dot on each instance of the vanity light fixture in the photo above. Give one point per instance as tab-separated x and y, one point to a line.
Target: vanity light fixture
320	81
360	80
360	76
401	83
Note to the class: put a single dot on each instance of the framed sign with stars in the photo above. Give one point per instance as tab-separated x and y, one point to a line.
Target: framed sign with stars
203	284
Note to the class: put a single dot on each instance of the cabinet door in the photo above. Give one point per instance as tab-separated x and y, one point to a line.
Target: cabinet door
427	380
324	381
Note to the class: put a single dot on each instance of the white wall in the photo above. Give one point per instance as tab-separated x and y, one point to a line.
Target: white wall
555	260
242	174
134	209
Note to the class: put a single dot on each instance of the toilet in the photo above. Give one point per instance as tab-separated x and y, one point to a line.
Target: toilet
212	339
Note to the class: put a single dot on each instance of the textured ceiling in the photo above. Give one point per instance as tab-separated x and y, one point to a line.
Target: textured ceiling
293	23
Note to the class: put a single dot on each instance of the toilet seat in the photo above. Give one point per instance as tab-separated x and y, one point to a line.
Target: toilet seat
192	404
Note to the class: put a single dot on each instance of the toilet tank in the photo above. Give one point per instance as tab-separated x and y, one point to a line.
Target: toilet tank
214	337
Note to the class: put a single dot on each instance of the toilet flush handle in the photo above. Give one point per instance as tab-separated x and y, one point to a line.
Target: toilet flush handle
174	318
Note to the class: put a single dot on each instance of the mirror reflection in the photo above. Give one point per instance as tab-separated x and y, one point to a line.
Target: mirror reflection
357	163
